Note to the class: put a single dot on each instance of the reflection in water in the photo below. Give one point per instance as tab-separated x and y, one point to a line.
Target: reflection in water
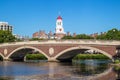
78	70
117	70
89	67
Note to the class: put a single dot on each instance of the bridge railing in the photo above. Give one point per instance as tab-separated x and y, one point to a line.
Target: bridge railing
80	41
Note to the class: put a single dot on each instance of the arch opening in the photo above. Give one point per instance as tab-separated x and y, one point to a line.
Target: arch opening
19	54
1	57
68	54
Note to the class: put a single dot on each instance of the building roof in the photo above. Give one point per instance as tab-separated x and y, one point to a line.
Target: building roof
3	23
59	17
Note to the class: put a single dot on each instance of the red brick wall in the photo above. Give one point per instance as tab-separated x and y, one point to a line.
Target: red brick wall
58	48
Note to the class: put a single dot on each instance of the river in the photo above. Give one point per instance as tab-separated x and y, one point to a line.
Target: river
78	70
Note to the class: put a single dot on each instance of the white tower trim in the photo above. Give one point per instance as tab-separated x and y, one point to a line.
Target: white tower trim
59	26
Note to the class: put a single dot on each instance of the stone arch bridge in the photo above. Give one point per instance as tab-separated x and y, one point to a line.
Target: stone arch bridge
61	49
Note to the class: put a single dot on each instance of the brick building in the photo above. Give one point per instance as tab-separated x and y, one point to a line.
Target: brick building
40	34
59	31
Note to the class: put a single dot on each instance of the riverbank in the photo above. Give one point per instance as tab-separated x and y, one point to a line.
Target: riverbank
90	56
36	61
113	64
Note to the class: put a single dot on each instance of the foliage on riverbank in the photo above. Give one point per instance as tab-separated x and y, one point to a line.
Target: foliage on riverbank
116	68
90	56
113	34
117	61
35	57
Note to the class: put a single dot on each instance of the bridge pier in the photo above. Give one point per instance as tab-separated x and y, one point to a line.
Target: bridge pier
6	59
52	59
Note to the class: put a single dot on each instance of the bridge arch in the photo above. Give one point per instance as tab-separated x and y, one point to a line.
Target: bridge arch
29	47
2	55
83	47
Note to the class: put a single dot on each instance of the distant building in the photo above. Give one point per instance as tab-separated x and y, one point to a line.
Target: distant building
35	35
97	34
40	34
51	35
68	34
59	31
5	26
18	36
94	35
74	34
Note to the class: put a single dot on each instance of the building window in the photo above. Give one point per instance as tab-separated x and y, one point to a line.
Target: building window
5	27
1	27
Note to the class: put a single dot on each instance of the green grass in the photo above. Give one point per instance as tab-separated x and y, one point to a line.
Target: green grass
35	57
90	56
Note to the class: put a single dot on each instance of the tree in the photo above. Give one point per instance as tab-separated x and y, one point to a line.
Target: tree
79	36
6	36
68	37
102	36
83	36
113	34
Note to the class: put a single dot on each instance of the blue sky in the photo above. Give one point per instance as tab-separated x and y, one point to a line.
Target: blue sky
80	16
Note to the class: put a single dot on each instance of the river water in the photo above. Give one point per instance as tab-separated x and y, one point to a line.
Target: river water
77	70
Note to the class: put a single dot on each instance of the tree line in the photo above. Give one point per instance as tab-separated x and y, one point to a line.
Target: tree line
113	34
79	36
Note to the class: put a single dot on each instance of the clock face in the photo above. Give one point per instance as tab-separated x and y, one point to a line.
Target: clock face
60	30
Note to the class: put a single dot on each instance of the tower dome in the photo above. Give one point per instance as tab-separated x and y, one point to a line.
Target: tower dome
59	17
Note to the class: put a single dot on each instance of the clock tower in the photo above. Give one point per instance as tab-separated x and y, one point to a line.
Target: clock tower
59	30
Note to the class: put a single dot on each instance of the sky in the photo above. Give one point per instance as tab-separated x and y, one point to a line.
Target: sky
79	16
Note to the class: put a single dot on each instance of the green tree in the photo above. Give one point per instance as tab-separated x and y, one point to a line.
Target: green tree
79	36
6	36
68	37
113	34
83	36
102	36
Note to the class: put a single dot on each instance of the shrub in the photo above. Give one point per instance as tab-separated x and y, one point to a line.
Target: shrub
117	61
117	68
90	56
35	57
